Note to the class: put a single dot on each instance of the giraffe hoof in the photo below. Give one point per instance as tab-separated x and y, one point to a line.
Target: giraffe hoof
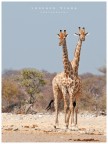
72	125
55	126
74	128
66	126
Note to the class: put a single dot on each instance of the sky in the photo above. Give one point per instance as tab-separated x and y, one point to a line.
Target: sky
29	34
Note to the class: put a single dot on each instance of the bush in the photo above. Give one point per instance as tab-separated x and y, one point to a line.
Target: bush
10	90
93	96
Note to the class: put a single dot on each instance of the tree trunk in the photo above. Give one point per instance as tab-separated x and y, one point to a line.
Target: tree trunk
31	99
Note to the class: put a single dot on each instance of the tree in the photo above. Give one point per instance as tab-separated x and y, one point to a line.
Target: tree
102	69
32	80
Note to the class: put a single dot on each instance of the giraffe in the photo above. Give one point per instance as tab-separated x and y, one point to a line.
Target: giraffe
63	82
68	82
76	59
77	89
68	72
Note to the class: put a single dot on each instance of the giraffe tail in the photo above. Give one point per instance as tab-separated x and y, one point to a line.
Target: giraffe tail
49	105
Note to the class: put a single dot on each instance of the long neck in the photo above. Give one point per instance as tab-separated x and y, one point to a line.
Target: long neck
66	62
76	59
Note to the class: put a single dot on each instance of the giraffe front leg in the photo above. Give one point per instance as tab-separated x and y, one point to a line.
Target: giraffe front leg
73	113
56	112
69	111
64	92
71	108
74	126
68	116
65	107
65	111
72	116
76	111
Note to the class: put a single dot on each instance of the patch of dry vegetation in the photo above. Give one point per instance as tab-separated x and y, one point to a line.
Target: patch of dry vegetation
15	96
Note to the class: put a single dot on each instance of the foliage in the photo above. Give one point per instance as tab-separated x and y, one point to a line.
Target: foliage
28	85
32	81
10	90
94	93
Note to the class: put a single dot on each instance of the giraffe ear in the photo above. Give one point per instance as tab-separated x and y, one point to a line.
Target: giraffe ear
66	35
58	35
76	34
87	33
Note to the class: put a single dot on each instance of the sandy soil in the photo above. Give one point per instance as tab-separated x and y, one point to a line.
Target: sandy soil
39	128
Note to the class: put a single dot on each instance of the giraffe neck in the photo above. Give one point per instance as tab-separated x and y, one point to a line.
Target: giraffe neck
75	62
66	62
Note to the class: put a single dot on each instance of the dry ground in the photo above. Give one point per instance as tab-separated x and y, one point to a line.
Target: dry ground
39	128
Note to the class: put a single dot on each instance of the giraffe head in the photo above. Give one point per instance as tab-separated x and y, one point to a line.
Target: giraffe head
62	37
82	34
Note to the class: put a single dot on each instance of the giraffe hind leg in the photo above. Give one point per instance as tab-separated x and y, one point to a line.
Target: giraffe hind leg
57	98
56	111
72	105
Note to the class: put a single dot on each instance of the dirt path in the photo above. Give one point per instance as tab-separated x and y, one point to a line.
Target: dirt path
48	137
39	128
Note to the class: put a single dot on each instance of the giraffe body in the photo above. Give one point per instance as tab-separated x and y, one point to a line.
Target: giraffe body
62	87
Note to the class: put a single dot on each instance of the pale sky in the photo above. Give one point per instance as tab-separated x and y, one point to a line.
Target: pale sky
29	34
